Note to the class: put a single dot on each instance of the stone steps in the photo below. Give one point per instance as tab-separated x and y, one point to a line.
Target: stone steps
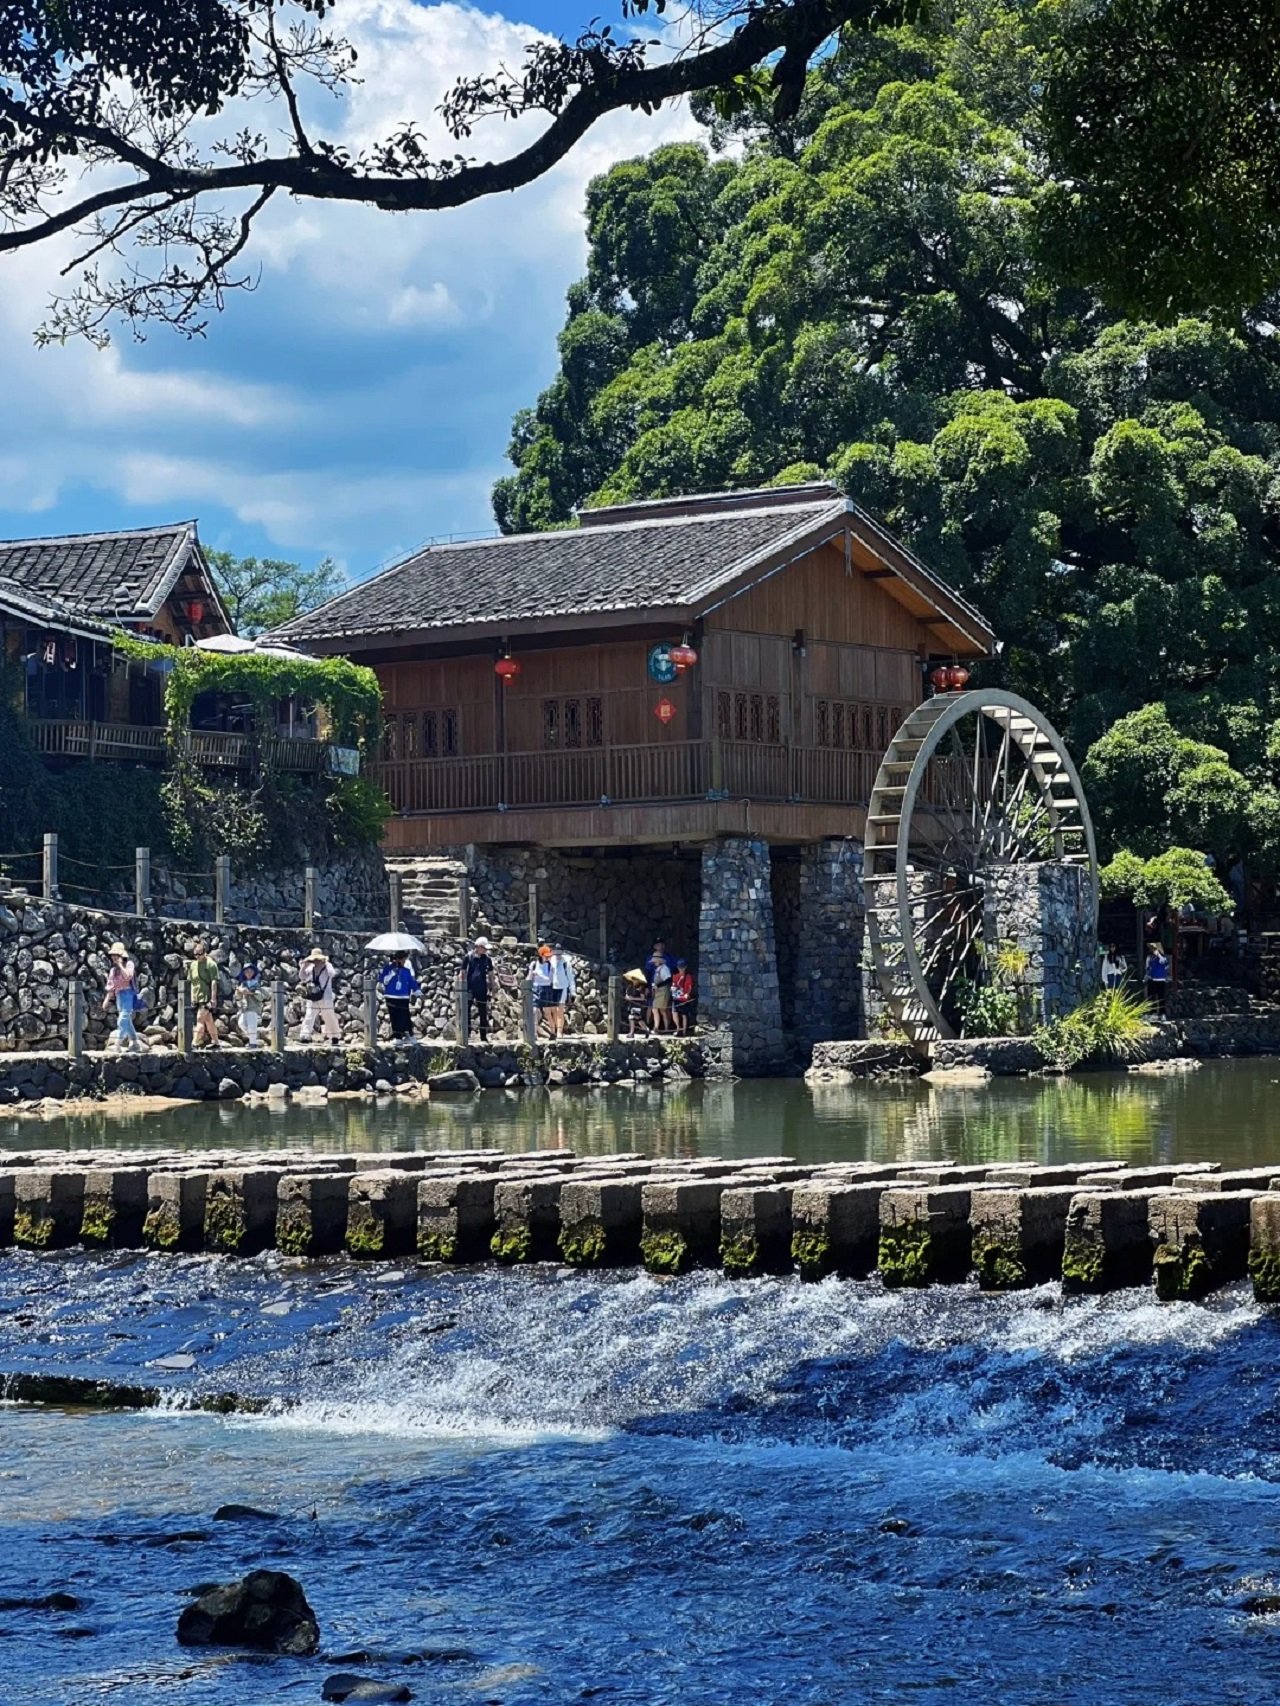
430	890
1094	1226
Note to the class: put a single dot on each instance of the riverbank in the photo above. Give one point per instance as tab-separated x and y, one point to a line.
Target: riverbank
440	1068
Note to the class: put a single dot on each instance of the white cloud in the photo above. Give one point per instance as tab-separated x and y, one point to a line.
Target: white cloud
358	400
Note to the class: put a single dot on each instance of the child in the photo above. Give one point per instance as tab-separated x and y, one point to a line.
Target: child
682	995
249	1000
635	1002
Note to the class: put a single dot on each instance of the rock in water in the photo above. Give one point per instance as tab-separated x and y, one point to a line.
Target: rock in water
267	1610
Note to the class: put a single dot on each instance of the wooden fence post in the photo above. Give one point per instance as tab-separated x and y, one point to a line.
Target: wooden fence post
371	1011
615	1006
309	898
279	1033
394	895
75	1018
533	913
49	867
530	1014
221	888
464	908
141	880
464	1015
182	1041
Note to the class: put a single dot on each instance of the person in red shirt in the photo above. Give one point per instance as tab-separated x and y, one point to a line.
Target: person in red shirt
682	995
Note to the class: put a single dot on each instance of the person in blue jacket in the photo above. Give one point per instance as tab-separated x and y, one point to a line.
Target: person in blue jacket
398	984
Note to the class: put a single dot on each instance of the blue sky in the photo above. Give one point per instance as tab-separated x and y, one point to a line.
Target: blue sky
358	401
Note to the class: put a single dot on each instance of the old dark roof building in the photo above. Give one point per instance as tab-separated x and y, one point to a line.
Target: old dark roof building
124	577
672	559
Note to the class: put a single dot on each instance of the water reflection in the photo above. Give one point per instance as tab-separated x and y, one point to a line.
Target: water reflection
1228	1111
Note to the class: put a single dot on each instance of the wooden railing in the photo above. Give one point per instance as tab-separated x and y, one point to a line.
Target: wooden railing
123	742
617	775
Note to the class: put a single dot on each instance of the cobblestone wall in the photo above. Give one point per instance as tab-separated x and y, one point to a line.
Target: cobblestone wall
737	952
827	999
650	896
1047	910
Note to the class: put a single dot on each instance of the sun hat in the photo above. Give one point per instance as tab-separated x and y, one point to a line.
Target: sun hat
117	948
636	976
482	941
317	954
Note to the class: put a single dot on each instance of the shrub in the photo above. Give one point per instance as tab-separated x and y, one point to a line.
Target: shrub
1112	1025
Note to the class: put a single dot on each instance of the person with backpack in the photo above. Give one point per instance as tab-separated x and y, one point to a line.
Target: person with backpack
319	986
398	986
122	988
477	980
203	985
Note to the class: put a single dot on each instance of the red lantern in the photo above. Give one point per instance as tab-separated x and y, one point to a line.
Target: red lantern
195	609
664	710
941	678
683	656
508	668
957	675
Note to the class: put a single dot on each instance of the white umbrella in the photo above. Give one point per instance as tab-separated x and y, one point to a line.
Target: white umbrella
395	942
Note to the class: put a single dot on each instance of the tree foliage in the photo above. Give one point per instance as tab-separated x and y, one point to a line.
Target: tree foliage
117	123
263	592
1177	877
870	292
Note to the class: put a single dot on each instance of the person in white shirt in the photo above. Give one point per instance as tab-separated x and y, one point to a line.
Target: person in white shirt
562	990
1115	968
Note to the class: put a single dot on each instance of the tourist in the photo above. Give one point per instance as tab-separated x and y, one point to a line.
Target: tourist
399	986
319	982
539	979
1115	968
202	983
660	992
682	995
477	981
659	952
562	988
635	1001
249	1000
122	988
1157	975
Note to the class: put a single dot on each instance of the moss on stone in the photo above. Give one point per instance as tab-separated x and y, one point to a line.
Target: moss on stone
437	1244
161	1230
905	1255
1183	1274
224	1226
811	1253
1000	1265
366	1234
97	1221
32	1230
1083	1266
740	1255
1264	1271
293	1230
583	1245
512	1243
664	1252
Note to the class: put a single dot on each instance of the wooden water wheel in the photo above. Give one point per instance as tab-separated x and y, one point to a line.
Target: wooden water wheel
972	784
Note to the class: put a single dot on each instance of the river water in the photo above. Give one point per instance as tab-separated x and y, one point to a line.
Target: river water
532	1486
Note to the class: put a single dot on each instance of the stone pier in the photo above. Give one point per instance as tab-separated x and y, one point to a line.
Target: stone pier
600	1222
681	1224
924	1235
1201	1242
1264	1248
48	1209
382	1213
1018	1234
755	1229
115	1207
827	984
455	1215
240	1210
1106	1241
311	1213
738	953
175	1209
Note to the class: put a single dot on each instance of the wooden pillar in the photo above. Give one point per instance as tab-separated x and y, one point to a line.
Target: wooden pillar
371	1011
49	867
464	908
279	1032
182	1041
604	934
75	1018
533	913
141	880
464	1015
394	895
309	898
530	1014
221	888
615	1006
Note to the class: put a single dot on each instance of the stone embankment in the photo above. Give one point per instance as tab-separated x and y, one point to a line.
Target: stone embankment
1094	1226
439	1067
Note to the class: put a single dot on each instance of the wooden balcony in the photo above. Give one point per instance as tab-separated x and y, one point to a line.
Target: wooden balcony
124	743
629	775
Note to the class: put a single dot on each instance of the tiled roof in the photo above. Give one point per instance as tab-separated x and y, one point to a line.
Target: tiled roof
104	574
657	562
46	612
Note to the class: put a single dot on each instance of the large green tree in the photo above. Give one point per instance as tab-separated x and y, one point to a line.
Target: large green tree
872	292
